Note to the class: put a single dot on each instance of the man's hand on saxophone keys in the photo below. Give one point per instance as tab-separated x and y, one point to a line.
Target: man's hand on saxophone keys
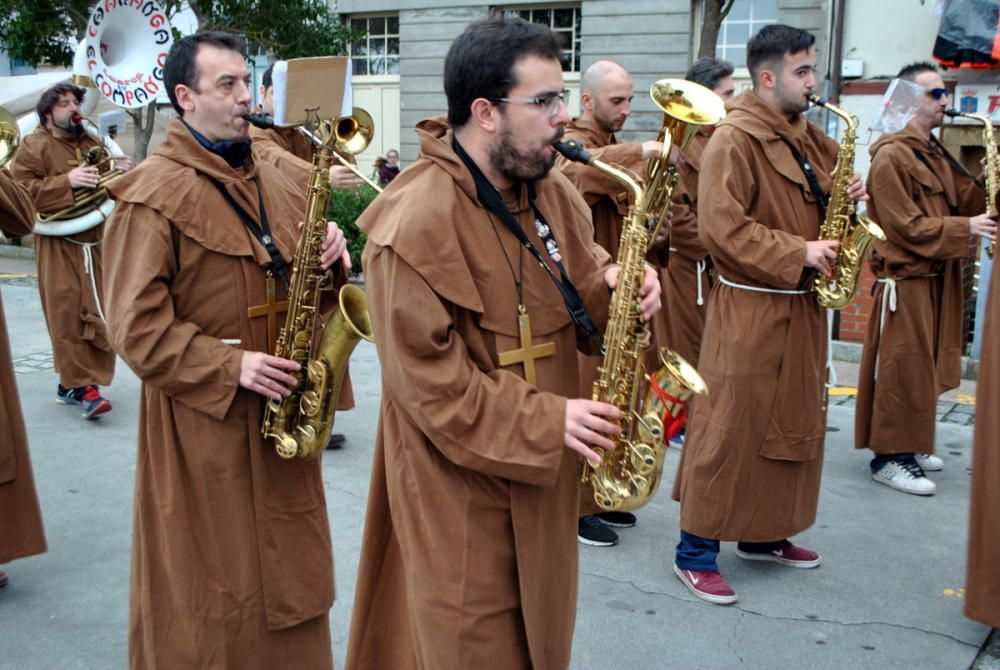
268	375
335	247
820	254
983	225
856	189
650	291
588	422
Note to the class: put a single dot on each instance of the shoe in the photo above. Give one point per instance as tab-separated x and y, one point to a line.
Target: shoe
336	441
906	476
789	555
929	462
65	396
617	519
678	440
707	585
93	404
3	579
591	531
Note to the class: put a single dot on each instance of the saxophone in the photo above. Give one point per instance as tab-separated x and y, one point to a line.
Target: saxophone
991	169
628	476
301	423
854	232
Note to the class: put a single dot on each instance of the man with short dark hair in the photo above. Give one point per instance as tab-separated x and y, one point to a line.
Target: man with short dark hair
688	278
232	564
606	101
52	164
930	209
751	464
469	557
21	530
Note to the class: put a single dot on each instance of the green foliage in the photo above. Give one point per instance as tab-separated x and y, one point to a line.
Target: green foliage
345	207
38	32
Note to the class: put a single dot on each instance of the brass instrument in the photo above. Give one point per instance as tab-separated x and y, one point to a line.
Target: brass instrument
628	476
87	199
301	423
991	169
10	137
686	107
355	132
855	232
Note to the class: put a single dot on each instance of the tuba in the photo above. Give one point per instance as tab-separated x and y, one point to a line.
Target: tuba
854	232
10	137
628	477
686	106
300	424
991	169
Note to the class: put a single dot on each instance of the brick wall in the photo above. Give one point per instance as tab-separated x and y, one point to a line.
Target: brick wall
854	317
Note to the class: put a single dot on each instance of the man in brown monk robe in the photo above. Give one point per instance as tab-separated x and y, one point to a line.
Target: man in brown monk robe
232	564
21	531
606	100
750	468
292	153
51	163
469	558
930	209
982	579
688	279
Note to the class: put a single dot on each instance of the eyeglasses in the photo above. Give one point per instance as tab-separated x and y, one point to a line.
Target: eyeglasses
550	102
937	93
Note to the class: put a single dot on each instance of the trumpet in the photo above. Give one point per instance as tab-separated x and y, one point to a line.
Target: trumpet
351	136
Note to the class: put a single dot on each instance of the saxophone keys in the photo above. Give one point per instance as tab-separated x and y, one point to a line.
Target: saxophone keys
642	457
286	446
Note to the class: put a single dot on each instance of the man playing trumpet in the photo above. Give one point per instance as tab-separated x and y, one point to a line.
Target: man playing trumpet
51	164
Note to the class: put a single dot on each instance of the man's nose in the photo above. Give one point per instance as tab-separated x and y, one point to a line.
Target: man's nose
561	117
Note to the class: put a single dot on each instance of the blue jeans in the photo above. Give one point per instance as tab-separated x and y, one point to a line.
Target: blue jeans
699	553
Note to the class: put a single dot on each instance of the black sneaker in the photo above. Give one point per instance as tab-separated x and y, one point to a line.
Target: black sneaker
336	441
65	396
617	519
591	531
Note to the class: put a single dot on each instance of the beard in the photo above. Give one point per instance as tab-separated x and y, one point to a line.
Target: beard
74	129
521	165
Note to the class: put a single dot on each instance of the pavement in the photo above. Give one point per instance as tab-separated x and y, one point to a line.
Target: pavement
888	595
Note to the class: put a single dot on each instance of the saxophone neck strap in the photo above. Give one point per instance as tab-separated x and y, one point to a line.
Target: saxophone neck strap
490	198
822	199
261	231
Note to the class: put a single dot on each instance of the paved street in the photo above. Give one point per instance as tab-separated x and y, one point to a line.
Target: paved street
888	595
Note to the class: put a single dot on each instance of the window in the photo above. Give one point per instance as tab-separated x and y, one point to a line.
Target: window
565	20
743	21
378	51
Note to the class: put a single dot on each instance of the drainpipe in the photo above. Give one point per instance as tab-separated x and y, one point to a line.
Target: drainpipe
837	51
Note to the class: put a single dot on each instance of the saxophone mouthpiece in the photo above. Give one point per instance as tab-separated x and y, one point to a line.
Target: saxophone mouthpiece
260	119
573	151
816	100
953	113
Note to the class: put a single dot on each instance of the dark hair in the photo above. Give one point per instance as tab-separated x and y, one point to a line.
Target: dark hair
772	43
265	79
709	72
52	95
181	66
910	72
480	63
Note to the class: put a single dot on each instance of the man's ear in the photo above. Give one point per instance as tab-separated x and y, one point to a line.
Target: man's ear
185	97
484	114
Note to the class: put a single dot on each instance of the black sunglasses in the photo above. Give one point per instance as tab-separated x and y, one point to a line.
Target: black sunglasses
937	93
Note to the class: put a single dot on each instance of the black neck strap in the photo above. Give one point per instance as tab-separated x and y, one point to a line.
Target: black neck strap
490	198
261	231
822	199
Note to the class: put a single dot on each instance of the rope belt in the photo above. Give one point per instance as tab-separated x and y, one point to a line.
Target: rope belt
700	266
890	300
760	289
88	267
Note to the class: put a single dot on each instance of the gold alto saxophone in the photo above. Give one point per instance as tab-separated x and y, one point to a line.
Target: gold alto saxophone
855	232
301	423
628	476
991	169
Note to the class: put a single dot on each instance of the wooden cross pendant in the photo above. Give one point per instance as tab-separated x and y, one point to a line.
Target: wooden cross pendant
271	309
79	157
528	352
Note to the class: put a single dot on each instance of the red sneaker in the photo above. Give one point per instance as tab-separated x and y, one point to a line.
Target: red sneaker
708	585
93	403
789	555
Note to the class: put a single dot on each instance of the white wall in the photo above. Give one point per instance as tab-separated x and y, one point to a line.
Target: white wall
887	34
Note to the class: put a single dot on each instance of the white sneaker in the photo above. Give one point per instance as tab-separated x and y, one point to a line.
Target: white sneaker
907	477
930	462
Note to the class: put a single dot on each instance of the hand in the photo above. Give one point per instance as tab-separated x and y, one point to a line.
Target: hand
84	176
983	226
343	177
856	189
663	234
676	158
124	163
649	292
587	423
266	374
820	254
651	149
335	248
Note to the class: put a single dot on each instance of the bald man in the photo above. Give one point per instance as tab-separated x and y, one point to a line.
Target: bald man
606	101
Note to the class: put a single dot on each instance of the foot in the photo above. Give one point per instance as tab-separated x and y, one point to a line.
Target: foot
93	404
336	441
789	555
67	396
929	462
906	476
3	579
591	531
707	585
677	440
617	519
